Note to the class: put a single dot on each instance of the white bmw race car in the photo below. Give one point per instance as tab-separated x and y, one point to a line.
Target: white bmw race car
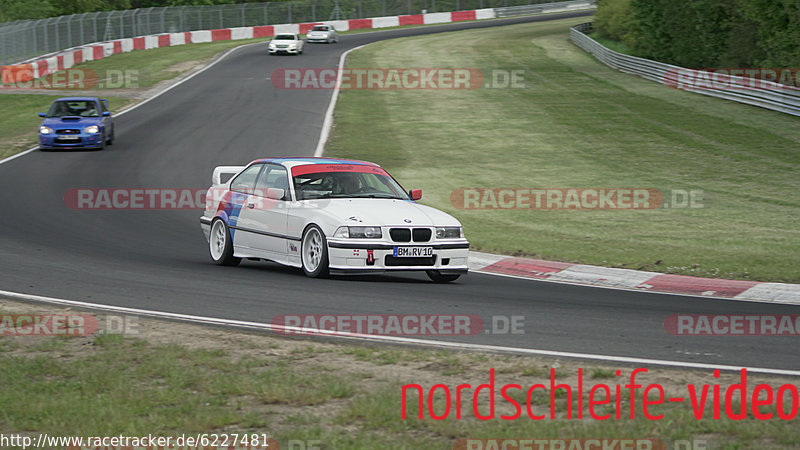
332	216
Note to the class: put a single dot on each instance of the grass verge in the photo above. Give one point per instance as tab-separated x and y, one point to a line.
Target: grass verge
579	124
170	379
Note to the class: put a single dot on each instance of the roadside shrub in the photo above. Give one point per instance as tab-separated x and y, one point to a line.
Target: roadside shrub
613	19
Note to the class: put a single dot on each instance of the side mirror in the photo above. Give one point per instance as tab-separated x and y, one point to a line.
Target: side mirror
415	194
106	114
275	193
42	115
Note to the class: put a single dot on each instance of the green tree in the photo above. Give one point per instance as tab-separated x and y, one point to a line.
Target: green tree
778	29
11	10
613	19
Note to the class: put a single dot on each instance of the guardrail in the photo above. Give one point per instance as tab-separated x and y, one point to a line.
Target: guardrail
544	8
766	94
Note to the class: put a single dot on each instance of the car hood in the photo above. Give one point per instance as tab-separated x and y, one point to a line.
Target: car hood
318	33
379	211
70	121
283	41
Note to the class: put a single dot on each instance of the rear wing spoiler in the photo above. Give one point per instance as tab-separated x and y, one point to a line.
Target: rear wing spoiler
220	171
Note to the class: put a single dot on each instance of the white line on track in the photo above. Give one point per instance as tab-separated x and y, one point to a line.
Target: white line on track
328	122
289	330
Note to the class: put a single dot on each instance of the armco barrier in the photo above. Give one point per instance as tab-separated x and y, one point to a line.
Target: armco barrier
23	73
769	95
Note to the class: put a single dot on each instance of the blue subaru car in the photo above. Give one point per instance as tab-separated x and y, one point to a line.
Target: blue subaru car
76	123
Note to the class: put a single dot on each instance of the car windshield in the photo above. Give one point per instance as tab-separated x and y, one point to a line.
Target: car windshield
284	37
83	108
320	28
347	185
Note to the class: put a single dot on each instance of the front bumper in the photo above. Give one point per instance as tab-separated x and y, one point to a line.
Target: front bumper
288	51
318	39
78	141
363	256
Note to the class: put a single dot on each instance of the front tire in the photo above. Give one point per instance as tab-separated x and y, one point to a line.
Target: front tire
437	276
220	244
314	252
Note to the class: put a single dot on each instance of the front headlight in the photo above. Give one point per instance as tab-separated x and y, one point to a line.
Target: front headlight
272	44
92	129
45	130
449	232
358	232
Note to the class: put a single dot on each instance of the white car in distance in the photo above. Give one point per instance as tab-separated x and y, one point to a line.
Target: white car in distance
322	33
289	43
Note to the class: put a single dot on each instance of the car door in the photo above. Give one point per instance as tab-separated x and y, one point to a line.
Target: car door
268	214
239	206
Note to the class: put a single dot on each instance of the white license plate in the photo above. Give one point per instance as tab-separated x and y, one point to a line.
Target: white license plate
413	252
69	138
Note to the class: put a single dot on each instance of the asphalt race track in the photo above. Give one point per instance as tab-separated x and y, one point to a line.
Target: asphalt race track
230	114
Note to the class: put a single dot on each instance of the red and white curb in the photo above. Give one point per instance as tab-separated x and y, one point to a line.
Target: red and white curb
635	280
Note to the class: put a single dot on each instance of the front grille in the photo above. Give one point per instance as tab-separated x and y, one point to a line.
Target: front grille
421	234
390	261
400	234
67	141
68	131
405	234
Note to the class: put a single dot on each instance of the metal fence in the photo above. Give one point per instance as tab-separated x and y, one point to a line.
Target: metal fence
540	8
767	95
25	39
